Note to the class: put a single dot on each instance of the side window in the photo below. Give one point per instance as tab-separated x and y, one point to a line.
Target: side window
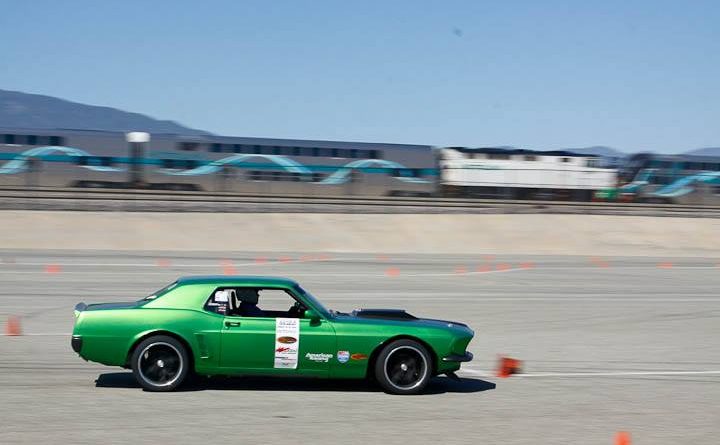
57	140
254	302
218	301
275	300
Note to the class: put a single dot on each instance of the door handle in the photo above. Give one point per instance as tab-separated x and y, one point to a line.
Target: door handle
230	324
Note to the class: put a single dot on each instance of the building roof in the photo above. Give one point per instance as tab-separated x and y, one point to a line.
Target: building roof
520	151
216	139
675	157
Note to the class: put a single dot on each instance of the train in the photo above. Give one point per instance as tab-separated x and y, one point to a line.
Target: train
210	163
522	174
677	179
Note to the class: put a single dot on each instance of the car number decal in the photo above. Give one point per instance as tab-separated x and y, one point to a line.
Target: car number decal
287	342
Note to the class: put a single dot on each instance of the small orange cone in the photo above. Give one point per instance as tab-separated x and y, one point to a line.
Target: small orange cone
284	259
508	366
622	438
460	270
53	268
503	266
599	262
484	268
392	271
665	265
12	327
163	262
260	260
228	267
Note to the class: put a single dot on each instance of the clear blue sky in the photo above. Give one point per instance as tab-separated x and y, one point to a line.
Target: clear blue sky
634	75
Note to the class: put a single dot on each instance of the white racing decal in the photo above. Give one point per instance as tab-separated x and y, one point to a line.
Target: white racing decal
287	342
318	357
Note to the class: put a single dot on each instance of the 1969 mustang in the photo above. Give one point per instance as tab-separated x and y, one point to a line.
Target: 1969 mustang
214	325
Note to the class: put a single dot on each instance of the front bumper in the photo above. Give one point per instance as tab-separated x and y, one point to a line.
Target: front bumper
76	343
458	358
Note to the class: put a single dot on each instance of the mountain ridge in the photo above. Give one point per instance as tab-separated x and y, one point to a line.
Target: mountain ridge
38	111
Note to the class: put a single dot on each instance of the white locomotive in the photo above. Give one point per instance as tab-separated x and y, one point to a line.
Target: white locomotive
522	174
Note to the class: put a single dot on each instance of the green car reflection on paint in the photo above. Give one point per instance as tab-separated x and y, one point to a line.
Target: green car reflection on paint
213	325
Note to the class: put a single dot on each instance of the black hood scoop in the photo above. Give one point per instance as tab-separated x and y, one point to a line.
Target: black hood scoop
385	314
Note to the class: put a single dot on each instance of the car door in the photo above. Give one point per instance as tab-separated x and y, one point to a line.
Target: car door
277	345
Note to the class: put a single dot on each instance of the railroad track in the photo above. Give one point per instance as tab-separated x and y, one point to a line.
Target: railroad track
163	201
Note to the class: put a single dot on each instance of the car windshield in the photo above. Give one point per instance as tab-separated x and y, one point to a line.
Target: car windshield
314	302
160	292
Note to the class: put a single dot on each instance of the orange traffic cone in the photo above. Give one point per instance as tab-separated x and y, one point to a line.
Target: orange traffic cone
162	262
12	327
53	268
508	366
392	271
622	438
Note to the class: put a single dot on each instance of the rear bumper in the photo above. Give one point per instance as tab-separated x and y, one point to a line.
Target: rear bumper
458	358
76	343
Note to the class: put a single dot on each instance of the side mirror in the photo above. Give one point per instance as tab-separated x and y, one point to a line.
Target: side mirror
312	315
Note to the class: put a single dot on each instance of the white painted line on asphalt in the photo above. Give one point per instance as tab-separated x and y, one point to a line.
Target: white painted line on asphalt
87	272
596	374
453	274
44	334
167	271
268	262
37	334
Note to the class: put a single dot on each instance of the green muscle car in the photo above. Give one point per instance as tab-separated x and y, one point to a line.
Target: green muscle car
214	325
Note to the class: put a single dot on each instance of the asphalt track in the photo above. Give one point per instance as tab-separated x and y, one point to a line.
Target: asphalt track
609	344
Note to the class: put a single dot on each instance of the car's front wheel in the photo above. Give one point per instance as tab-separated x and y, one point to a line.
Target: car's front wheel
403	367
160	363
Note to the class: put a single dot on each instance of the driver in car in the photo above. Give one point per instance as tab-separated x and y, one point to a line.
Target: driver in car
248	303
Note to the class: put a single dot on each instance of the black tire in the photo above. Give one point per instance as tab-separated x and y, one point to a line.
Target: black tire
160	363
403	367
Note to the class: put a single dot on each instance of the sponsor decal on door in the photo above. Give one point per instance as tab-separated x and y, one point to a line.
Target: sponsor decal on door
318	357
287	342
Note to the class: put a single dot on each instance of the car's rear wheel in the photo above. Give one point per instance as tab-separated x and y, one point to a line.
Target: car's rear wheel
403	367
160	363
